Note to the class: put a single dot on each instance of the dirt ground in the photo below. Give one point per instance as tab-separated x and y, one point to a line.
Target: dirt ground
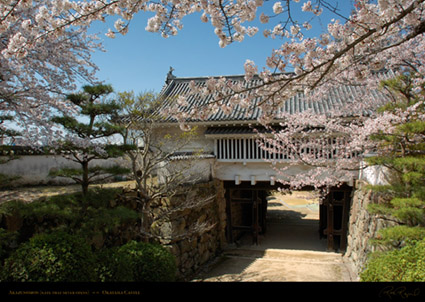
28	194
290	251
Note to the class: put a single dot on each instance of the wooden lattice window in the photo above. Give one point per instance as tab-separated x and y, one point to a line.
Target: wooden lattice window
249	149
242	149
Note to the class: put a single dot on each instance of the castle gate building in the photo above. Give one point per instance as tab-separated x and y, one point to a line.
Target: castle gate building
226	148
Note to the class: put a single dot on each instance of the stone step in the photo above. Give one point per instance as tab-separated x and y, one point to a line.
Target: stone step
286	255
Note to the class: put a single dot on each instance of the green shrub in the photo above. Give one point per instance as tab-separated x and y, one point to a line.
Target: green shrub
113	266
138	262
57	257
96	216
406	264
115	226
7	242
398	236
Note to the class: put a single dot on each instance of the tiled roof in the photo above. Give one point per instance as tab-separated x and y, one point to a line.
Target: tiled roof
337	98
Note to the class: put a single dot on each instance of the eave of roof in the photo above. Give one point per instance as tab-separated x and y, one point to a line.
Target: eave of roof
237	130
191	155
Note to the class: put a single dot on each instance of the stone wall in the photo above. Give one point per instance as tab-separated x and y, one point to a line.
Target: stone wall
363	226
194	247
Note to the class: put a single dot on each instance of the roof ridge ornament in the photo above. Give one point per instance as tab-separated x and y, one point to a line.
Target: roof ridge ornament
170	75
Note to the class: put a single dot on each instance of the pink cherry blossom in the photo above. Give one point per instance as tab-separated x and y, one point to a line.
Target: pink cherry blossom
45	48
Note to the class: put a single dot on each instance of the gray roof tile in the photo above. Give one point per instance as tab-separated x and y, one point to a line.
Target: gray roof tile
337	98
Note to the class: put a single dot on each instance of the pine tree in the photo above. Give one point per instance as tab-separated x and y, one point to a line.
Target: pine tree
402	152
96	122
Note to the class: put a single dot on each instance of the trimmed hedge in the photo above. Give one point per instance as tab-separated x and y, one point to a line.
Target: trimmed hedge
69	238
57	257
97	217
61	257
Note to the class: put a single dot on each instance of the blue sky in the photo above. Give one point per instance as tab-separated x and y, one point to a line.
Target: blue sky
139	61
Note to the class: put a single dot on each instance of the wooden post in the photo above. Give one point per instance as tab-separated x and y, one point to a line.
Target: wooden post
345	214
330	227
255	224
229	216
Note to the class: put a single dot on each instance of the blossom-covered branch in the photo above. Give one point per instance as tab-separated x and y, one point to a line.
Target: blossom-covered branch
45	48
376	36
40	61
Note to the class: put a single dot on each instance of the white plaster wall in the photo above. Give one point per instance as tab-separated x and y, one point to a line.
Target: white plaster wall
375	175
196	144
263	171
34	169
197	170
229	171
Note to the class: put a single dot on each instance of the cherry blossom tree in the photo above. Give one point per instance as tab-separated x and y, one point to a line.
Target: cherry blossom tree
159	178
40	61
377	34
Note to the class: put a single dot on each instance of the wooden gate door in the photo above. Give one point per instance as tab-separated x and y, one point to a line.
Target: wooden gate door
244	214
334	217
